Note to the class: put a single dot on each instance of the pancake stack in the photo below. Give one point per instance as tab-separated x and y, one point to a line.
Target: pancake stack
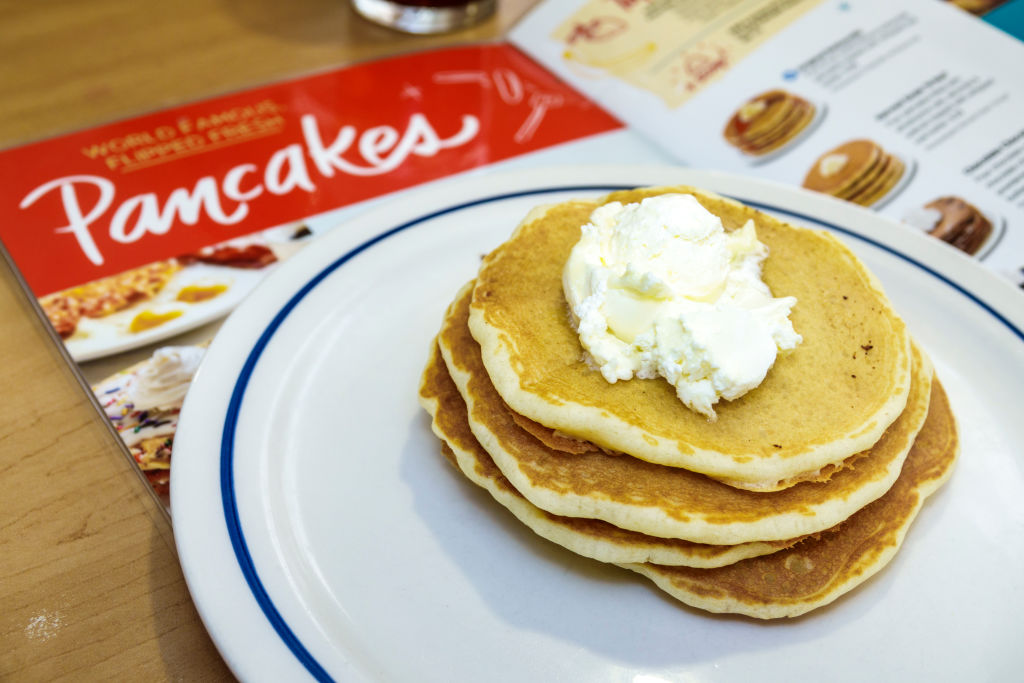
859	171
768	121
960	224
800	490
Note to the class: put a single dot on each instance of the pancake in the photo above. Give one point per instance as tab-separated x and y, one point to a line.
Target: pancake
588	537
798	117
836	170
882	185
868	174
801	117
869	178
818	570
831	397
768	121
759	115
960	224
667	502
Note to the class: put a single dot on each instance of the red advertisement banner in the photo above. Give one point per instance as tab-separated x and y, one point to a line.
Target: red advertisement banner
100	201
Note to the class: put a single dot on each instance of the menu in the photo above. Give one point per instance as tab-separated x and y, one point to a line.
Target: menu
138	237
913	109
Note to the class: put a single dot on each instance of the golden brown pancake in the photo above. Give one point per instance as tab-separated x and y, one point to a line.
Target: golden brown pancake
768	121
836	170
882	185
758	115
868	174
588	537
798	117
831	397
657	500
868	178
818	570
803	114
555	440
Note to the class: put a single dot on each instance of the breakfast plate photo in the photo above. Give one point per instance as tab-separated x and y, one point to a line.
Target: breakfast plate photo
164	315
164	299
788	140
324	536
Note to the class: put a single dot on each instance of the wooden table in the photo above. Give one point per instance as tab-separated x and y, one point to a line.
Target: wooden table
90	587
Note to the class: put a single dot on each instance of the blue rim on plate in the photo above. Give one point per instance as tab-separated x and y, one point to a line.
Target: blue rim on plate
227	486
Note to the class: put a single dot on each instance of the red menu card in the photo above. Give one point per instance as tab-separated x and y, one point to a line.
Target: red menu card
97	202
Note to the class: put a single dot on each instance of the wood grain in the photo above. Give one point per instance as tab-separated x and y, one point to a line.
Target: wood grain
90	587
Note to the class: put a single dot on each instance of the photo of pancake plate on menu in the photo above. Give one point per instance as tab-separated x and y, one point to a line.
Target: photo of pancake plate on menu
770	122
165	298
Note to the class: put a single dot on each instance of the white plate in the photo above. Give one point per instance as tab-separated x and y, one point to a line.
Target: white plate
323	535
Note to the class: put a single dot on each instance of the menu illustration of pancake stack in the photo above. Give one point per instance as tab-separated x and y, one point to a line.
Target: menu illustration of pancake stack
768	122
959	223
798	491
859	171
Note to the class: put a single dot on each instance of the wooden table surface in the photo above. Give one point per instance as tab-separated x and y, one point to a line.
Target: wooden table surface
90	586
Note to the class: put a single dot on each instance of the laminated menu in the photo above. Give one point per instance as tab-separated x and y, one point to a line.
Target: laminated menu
911	109
138	237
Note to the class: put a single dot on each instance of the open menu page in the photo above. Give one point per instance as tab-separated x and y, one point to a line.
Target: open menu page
912	109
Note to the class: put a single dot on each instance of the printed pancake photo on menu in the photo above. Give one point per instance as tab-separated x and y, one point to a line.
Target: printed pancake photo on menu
859	171
770	121
956	221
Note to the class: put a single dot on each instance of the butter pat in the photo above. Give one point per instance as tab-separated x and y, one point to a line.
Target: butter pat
660	289
832	164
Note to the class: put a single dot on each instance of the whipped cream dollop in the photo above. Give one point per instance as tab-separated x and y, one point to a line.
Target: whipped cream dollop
659	288
143	401
162	382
